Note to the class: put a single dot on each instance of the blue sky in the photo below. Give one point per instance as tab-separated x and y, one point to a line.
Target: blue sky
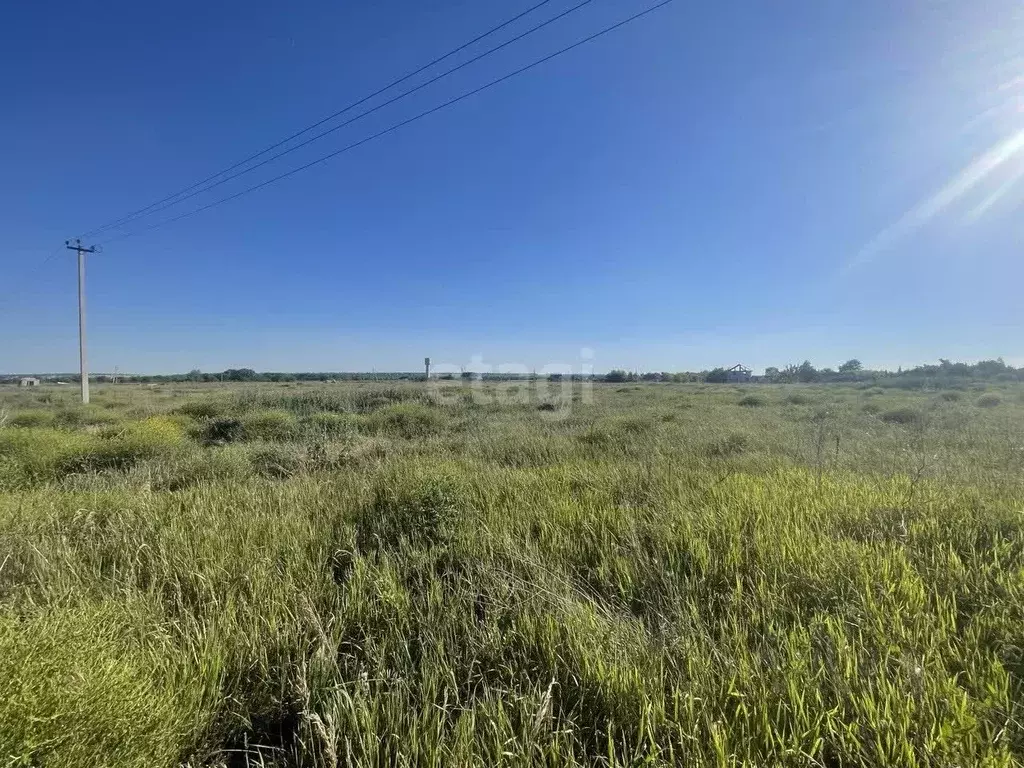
717	182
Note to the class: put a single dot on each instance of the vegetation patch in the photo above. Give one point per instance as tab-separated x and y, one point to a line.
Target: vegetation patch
272	426
222	431
393	581
989	400
330	423
34	418
904	416
732	444
407	420
419	509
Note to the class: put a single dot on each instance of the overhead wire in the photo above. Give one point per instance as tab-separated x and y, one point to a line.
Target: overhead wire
346	123
149	208
394	127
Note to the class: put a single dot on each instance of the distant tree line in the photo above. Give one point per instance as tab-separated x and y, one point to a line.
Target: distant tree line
943	374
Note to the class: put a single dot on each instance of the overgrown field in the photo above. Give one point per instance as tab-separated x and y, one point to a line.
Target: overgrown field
662	574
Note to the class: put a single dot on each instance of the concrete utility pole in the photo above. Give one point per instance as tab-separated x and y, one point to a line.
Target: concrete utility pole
82	250
426	362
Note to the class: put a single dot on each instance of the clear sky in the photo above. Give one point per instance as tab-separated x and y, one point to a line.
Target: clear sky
718	182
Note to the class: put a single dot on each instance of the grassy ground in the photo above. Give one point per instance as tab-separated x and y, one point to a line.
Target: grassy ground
520	575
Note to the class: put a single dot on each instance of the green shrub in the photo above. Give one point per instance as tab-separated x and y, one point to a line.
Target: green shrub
274	426
989	400
752	401
799	398
950	396
871	408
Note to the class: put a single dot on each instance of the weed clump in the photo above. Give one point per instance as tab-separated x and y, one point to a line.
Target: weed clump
405	420
33	418
421	510
732	444
907	417
222	431
752	401
201	410
989	400
277	461
376	399
272	426
80	416
329	423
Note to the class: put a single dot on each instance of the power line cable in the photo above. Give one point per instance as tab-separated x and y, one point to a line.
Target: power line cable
394	127
156	208
317	124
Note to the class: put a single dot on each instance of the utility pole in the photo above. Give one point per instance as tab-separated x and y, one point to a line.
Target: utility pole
82	250
426	362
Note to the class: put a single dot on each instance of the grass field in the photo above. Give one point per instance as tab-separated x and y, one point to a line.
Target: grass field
519	574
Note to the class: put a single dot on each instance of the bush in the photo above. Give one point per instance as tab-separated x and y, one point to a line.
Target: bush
798	398
871	408
274	426
904	416
752	401
422	510
949	396
990	400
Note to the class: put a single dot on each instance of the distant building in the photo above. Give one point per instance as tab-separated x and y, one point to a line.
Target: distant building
28	381
738	374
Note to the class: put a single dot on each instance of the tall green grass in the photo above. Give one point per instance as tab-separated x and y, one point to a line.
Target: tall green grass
660	577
